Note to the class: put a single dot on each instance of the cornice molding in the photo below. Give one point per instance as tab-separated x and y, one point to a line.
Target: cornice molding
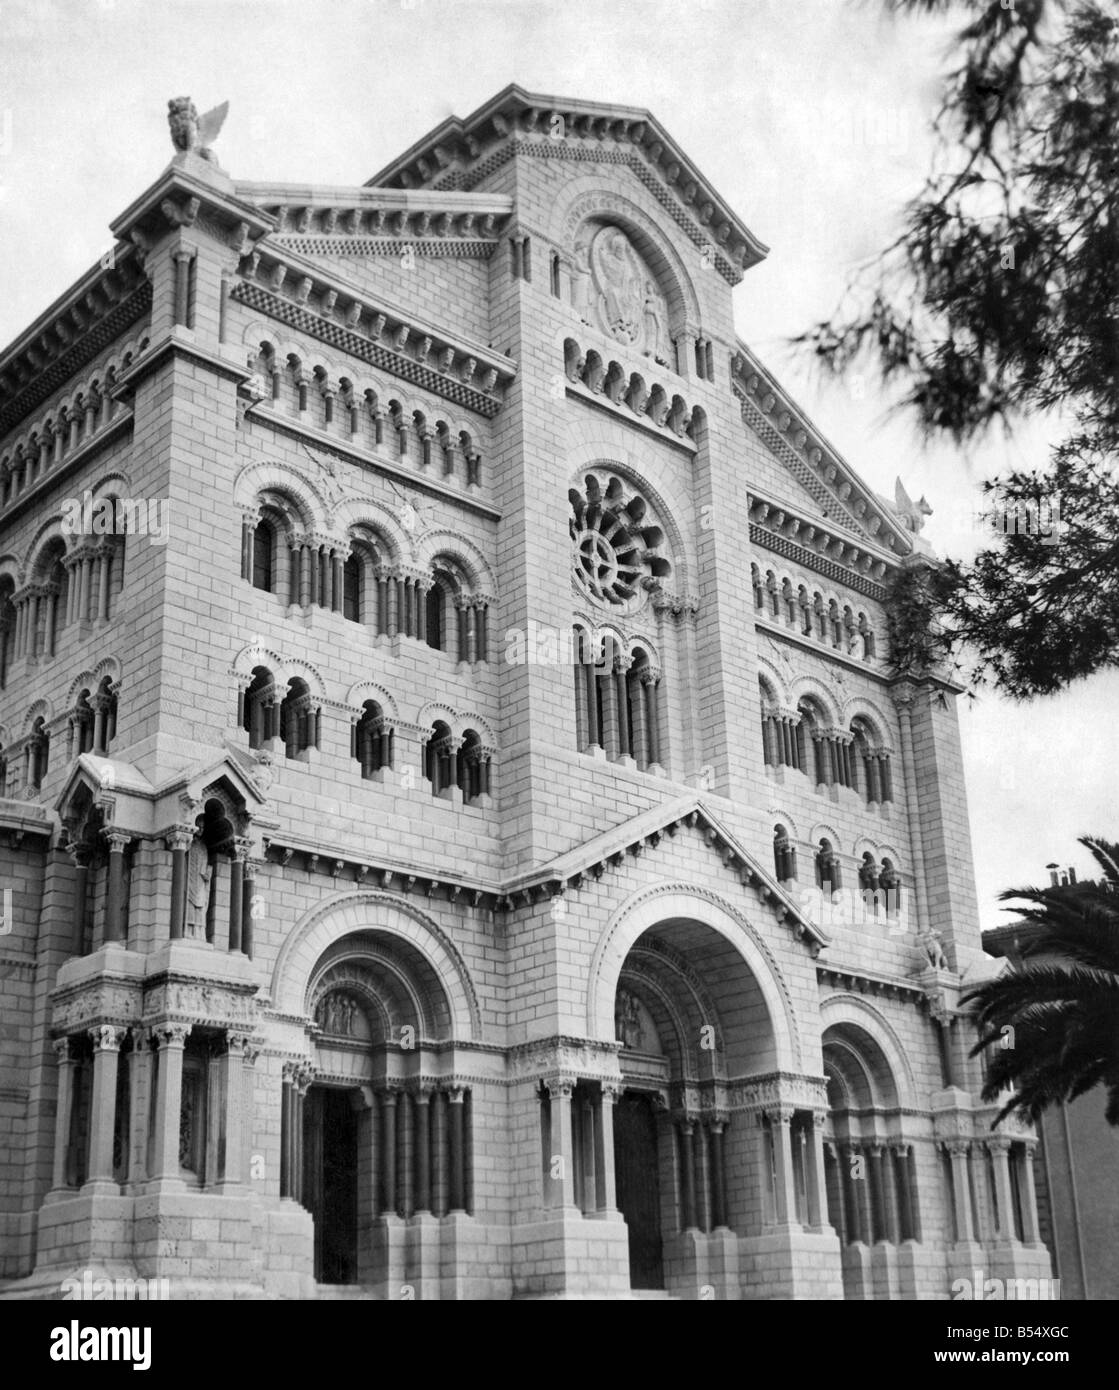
297	292
69	336
461	152
794	441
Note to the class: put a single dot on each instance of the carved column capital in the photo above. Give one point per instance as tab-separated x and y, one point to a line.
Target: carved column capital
106	1038
61	1048
172	1035
117	840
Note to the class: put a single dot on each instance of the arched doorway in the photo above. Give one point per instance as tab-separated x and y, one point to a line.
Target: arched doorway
869	1165
383	1135
692	1021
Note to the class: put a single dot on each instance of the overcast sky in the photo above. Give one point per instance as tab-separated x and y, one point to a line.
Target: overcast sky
810	117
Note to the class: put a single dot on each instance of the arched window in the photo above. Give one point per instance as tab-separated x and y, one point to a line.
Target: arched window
104	716
812	745
299	719
643	713
373	740
38	754
804	608
439	758
889	881
784	855
867	636
438	598
473	768
829	877
7	627
264	556
81	725
352	596
758	587
259	712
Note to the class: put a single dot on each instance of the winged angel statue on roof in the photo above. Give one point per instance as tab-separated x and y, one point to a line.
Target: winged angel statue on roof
192	133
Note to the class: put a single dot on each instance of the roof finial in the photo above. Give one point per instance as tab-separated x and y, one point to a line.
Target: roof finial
194	134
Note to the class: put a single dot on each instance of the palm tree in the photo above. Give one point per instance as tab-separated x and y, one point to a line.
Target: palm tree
1052	1022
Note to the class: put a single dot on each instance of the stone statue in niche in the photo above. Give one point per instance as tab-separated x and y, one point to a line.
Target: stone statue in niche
337	1014
627	1022
655	341
613	289
619	280
200	878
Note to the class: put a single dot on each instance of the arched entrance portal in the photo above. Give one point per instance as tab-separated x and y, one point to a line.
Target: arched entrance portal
692	1021
382	1134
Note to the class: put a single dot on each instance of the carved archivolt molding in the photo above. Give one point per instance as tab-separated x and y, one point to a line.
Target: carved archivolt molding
374	911
778	1089
853	1009
708	909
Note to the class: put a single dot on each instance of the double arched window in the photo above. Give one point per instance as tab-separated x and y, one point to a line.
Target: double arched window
784	855
373	740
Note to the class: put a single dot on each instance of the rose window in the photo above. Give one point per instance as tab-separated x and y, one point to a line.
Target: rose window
615	544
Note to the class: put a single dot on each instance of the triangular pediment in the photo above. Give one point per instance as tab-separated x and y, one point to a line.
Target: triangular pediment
644	834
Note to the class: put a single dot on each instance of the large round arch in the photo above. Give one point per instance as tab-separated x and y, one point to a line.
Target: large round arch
387	917
700	925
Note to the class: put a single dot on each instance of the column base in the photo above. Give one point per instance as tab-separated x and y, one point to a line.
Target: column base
565	1254
788	1262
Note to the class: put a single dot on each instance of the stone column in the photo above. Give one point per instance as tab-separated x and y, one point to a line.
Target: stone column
182	259
456	1096
961	1189
237	890
815	1174
248	894
178	843
590	1185
103	1106
422	1149
80	856
685	1128
389	1097
781	1119
717	1149
560	1163
64	1110
906	1214
139	1106
231	1070
606	1200
877	1191
168	1101
999	1149
114	898
837	1205
848	1155
1030	1233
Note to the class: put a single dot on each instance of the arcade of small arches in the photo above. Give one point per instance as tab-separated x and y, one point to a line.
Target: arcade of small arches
879	882
317	395
212	878
804	740
812	615
456	765
67	427
88	724
359	577
67	587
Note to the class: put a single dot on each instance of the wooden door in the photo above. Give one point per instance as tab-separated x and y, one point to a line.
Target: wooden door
637	1172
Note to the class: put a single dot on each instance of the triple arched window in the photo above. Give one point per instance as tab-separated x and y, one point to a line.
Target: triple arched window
293	715
808	613
449	761
803	741
618	701
360	579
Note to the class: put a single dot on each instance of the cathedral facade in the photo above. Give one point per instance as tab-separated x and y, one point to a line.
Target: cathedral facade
463	835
